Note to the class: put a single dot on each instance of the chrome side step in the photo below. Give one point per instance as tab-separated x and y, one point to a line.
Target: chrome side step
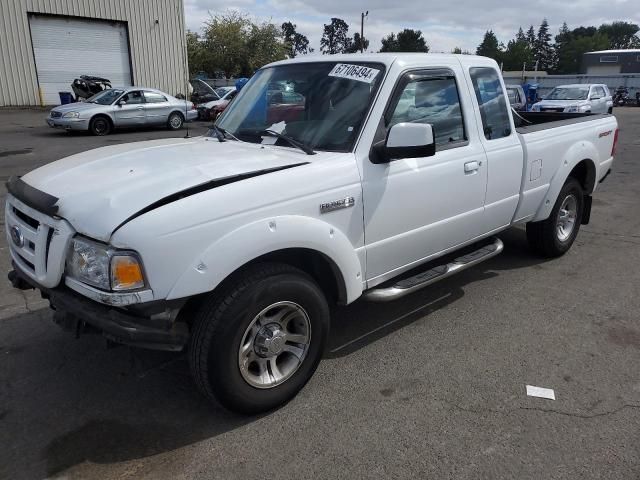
433	275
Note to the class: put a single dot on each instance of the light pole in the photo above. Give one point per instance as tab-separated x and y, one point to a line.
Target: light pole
362	15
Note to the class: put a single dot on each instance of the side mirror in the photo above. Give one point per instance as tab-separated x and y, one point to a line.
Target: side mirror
121	103
405	140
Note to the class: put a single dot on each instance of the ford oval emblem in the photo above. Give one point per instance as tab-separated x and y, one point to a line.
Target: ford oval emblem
16	236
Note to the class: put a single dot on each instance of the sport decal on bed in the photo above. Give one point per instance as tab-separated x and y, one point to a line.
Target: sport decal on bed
354	72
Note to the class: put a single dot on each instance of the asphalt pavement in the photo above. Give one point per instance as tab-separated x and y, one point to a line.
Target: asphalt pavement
428	387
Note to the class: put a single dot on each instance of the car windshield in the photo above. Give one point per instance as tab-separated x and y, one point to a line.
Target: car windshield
569	93
105	97
321	105
222	91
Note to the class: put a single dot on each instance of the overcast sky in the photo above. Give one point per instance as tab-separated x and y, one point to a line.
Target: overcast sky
445	25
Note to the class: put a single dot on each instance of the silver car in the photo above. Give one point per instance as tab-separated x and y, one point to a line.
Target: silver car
123	108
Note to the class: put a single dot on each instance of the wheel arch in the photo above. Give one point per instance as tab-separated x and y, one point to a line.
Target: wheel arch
313	246
579	163
102	114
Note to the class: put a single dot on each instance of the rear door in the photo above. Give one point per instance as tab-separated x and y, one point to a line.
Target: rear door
504	152
157	107
131	112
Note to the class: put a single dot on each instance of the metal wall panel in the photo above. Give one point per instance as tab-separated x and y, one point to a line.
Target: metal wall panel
156	42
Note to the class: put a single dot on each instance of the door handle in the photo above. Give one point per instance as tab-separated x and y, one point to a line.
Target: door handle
140	108
471	166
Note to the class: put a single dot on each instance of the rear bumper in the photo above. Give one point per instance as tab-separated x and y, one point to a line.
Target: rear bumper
192	115
75	312
68	123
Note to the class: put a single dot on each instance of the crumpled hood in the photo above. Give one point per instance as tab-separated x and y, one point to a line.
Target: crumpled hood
99	189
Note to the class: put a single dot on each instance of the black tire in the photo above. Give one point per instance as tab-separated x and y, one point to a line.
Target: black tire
610	111
100	125
221	324
175	121
544	237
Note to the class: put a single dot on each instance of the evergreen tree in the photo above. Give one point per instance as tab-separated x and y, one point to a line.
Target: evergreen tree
531	38
543	51
407	40
490	47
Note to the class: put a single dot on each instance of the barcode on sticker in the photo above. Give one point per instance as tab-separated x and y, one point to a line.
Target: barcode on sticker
354	72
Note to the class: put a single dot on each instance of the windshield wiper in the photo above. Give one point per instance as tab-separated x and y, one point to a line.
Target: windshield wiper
305	148
221	133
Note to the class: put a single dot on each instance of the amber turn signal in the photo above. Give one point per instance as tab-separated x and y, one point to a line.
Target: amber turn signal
126	273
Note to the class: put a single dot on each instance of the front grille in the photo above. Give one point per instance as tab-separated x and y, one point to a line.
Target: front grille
33	238
557	110
56	114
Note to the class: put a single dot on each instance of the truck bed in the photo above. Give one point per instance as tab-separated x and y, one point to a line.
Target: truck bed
528	122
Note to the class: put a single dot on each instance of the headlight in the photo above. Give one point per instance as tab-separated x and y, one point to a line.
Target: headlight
103	267
71	115
535	108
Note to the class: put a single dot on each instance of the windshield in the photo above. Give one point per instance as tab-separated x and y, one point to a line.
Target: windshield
222	91
568	93
322	105
105	97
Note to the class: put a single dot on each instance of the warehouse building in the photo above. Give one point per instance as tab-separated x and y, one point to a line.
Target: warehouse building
611	62
45	44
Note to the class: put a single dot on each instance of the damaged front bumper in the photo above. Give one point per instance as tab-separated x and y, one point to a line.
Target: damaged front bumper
145	327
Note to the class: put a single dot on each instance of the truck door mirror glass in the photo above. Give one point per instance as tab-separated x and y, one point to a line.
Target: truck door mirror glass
406	140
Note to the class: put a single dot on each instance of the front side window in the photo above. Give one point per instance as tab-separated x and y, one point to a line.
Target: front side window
600	92
433	100
491	100
153	97
323	104
133	98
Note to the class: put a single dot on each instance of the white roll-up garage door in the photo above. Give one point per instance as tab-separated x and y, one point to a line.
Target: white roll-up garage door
66	48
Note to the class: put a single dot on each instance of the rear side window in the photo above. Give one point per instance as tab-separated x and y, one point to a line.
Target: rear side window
493	106
433	100
152	97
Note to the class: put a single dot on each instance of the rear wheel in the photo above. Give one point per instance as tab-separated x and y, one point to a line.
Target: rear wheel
555	235
257	343
100	126
175	121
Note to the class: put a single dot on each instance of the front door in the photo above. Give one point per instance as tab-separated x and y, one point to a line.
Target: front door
129	110
417	207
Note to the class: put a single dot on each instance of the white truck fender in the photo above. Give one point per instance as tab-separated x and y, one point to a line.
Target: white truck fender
578	152
265	236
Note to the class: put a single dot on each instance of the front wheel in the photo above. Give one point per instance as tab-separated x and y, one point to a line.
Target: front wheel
257	343
100	126
554	236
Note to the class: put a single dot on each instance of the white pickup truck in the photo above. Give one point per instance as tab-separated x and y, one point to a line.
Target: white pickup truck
397	170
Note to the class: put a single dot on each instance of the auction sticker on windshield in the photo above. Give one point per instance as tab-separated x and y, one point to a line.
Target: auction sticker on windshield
354	72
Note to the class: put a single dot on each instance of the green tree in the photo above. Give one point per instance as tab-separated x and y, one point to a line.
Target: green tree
518	53
295	42
408	40
571	44
356	43
490	47
335	38
543	50
263	45
233	44
621	34
531	37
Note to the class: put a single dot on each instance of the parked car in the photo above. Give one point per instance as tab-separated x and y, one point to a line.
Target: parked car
578	98
225	95
234	245
516	96
127	107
